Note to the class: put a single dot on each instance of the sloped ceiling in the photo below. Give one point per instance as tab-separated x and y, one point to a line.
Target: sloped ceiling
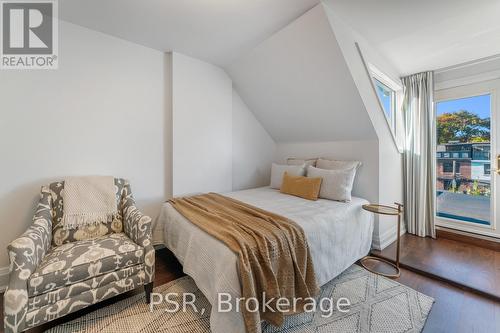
217	31
426	34
299	87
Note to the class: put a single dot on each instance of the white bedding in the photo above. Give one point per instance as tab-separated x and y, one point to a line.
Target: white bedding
338	234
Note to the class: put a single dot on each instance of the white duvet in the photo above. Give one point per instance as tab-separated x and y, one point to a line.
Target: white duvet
338	234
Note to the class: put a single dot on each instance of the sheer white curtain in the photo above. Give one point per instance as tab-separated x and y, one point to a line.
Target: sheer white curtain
419	174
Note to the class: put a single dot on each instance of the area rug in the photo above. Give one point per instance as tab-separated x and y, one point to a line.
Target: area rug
378	304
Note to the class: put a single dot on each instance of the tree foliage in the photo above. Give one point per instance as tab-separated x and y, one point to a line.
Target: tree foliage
462	126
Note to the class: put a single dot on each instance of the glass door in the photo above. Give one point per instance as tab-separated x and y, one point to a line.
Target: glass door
466	159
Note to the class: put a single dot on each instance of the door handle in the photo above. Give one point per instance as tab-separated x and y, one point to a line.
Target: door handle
497	170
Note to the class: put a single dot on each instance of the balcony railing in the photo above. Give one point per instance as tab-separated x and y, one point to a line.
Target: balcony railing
454	154
481	155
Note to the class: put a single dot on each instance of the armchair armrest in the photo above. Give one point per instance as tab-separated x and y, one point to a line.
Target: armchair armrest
25	254
138	227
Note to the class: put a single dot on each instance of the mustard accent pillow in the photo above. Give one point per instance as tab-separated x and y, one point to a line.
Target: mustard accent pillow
304	187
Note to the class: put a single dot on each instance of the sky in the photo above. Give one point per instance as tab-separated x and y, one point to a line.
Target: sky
479	105
385	99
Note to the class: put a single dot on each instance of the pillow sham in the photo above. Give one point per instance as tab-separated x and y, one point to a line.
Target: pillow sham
336	184
300	161
336	164
300	186
278	170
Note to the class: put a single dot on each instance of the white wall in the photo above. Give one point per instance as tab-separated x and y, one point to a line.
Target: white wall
299	87
202	127
390	168
101	112
253	148
217	143
366	183
307	84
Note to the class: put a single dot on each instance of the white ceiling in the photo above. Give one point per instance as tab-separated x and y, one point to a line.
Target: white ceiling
217	31
299	87
425	34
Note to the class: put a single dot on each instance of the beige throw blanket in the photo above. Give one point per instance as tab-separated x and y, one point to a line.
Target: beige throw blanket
88	201
274	257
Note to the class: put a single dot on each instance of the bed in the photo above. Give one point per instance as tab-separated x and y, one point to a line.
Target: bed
338	235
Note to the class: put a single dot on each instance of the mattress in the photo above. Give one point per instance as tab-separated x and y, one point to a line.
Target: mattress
338	235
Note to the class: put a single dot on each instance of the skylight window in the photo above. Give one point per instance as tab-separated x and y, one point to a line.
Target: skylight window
388	92
387	98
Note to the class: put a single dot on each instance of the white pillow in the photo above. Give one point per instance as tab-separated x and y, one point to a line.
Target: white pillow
337	165
336	184
277	172
301	161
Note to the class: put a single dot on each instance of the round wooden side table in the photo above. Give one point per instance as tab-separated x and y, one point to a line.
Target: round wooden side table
385	210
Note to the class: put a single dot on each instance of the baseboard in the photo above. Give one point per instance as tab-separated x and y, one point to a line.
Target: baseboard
4	278
380	242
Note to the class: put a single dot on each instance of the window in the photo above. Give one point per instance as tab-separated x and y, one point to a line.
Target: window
481	152
387	98
464	184
448	167
487	169
388	92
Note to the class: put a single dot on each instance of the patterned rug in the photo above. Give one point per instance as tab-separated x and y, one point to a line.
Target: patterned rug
378	304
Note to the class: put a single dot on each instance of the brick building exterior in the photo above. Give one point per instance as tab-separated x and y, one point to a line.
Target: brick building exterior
461	165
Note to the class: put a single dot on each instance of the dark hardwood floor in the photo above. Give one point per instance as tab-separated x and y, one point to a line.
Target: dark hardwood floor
455	310
471	266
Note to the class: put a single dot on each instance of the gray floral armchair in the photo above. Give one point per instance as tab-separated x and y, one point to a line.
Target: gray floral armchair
54	272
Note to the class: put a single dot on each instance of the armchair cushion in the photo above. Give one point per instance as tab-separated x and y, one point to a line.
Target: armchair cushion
61	236
82	260
108	280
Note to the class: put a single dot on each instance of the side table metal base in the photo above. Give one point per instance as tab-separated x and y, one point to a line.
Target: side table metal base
386	262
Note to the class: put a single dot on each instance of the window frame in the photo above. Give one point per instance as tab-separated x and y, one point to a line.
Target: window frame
464	91
391	117
396	97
